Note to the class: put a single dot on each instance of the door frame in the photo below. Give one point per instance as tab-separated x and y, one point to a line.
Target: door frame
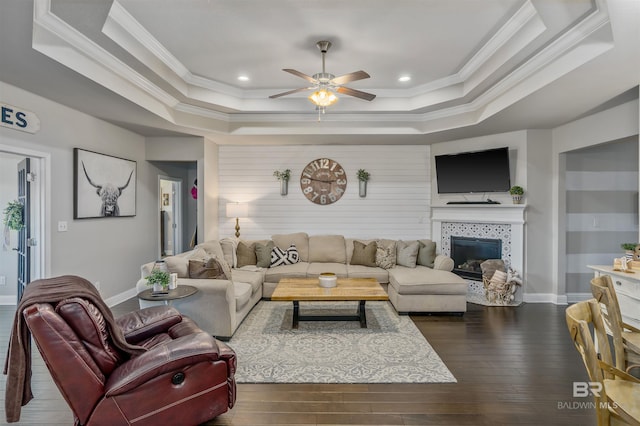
177	203
41	216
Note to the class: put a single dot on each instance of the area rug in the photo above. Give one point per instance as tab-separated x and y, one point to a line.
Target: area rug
390	350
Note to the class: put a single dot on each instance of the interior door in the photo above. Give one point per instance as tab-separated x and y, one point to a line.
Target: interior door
24	235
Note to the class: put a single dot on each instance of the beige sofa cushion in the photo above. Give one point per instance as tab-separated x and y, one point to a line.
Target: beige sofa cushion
424	280
364	254
407	253
212	247
327	248
349	246
386	253
253	278
242	293
426	253
246	254
300	239
359	271
315	269
297	270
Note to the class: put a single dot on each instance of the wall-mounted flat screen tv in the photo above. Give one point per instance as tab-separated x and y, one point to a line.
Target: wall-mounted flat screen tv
478	171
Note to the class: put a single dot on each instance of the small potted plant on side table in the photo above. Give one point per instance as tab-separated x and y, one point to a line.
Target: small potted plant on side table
516	194
159	280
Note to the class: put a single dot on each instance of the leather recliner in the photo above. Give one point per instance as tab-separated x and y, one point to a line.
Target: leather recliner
185	377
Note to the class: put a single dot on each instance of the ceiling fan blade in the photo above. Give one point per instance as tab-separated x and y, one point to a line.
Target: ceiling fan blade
354	76
290	92
357	93
301	75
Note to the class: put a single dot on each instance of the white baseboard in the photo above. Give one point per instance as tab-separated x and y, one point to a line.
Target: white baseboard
8	300
578	297
545	298
119	298
112	301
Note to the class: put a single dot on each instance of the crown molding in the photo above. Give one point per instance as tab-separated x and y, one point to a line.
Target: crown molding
588	38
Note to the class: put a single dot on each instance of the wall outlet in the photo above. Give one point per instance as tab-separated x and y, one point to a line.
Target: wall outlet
62	226
3	280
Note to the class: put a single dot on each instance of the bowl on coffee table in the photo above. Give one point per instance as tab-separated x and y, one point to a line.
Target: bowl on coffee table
328	279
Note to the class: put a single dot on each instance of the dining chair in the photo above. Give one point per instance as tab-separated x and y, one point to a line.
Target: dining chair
618	399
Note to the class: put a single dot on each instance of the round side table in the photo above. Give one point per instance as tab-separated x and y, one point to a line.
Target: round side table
179	292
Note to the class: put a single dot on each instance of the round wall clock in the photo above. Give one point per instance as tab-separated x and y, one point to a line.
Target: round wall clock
323	181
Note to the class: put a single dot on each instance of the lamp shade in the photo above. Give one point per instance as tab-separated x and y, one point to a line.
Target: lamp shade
237	210
323	98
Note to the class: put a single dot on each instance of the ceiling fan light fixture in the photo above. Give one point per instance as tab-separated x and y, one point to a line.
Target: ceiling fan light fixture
323	98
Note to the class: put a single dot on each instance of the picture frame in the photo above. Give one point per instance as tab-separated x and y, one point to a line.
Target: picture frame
104	185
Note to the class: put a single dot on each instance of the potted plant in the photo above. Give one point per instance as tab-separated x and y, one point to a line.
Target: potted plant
363	177
629	250
13	215
283	177
516	194
159	280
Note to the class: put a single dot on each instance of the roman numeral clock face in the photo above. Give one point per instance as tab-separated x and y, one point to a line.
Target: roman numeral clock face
323	181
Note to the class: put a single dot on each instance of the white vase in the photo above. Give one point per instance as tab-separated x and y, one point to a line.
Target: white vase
517	199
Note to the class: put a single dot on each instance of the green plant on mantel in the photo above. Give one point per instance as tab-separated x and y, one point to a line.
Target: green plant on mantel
363	175
516	190
13	216
285	175
158	277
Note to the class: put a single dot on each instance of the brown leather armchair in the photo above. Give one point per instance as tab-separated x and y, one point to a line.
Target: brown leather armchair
185	376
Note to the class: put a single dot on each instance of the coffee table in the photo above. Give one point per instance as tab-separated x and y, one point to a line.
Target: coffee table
347	289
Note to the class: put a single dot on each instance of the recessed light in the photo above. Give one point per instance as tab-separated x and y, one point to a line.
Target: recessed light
243	78
404	78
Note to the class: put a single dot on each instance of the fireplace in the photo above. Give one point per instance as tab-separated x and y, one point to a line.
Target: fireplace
469	252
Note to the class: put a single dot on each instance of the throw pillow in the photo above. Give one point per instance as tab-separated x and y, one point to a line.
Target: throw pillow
386	254
426	253
284	257
209	269
263	254
407	253
364	254
246	253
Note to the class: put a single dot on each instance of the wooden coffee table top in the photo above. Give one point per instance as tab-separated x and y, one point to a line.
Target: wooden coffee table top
346	289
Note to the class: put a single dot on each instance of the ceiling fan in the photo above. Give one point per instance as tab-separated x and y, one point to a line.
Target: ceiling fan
325	84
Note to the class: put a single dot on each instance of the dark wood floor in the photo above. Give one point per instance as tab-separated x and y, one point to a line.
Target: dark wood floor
514	366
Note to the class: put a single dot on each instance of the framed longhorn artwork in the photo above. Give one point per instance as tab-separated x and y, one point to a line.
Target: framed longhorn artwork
104	186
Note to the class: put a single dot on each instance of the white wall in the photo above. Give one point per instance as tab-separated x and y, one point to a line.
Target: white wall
107	250
397	203
515	141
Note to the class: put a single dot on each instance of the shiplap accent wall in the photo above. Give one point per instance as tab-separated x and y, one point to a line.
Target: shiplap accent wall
397	204
602	207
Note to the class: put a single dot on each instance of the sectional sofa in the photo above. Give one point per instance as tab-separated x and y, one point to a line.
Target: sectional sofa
414	276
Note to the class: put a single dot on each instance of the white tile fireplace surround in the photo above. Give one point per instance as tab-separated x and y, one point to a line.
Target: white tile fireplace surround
503	221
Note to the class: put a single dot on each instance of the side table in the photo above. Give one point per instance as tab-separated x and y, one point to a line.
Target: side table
179	292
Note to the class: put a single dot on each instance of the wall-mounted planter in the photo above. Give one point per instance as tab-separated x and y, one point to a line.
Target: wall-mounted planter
362	188
284	187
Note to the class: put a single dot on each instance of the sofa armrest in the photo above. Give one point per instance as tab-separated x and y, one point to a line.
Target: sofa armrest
142	324
161	359
443	263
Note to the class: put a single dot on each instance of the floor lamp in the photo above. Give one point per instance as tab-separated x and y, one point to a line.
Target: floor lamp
237	210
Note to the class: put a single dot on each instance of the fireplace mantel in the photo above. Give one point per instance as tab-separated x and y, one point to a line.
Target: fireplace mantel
495	215
480	213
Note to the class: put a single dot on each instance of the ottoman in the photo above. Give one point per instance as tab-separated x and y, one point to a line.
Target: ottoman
422	289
